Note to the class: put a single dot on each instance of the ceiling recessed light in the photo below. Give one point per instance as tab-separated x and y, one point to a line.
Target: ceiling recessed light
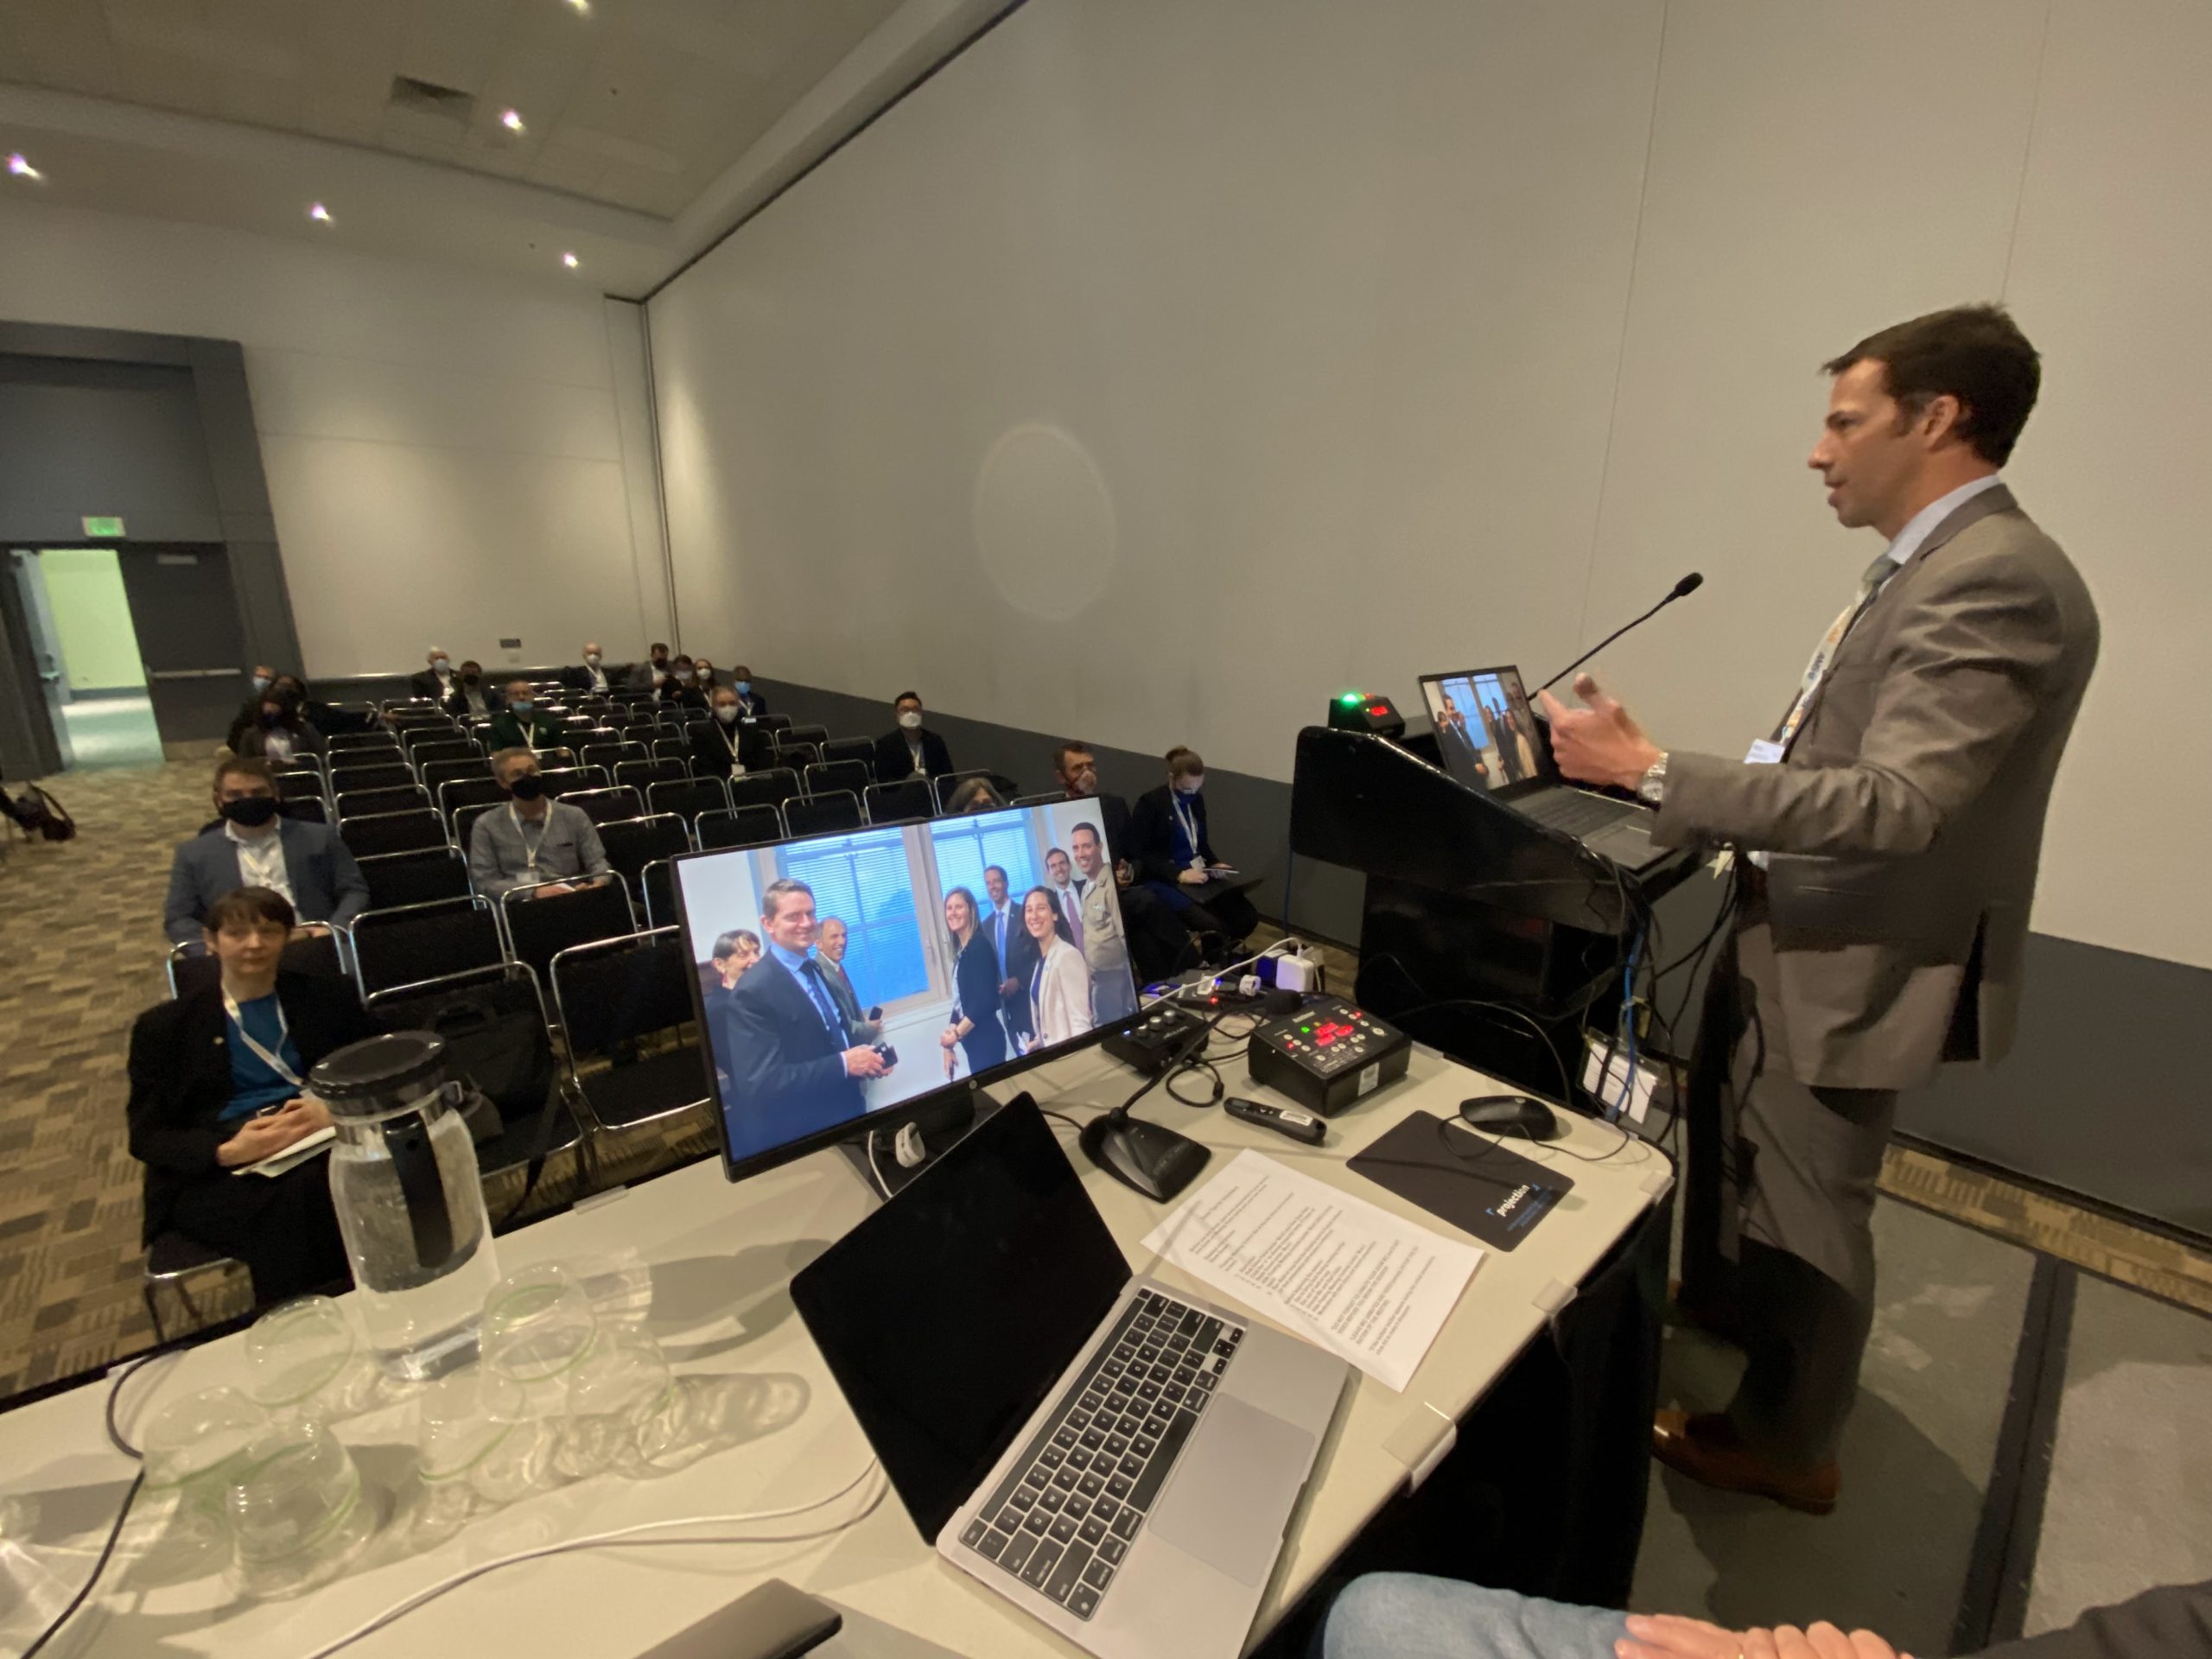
22	168
569	260
511	120
320	214
582	7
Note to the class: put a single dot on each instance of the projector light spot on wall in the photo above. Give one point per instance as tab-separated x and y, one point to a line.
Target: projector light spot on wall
1045	522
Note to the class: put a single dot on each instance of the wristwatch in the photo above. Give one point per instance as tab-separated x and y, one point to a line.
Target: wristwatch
1652	788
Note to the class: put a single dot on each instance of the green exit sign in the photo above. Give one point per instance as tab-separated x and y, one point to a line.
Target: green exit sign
106	530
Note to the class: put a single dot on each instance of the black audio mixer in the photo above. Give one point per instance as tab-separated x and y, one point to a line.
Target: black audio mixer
1328	1054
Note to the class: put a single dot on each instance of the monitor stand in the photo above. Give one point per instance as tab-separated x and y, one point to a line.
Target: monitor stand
942	1124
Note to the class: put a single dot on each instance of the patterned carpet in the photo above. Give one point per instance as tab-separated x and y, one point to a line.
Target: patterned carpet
80	922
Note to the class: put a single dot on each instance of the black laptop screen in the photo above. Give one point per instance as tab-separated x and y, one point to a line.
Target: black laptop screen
1484	727
949	1314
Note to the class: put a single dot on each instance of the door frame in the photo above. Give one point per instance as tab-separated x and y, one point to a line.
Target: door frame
242	523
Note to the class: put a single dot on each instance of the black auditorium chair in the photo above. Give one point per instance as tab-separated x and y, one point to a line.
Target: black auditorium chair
614	998
632	844
607	804
900	803
345	743
747	826
360	803
573	780
770	787
465	817
539	929
391	832
415	878
611	755
347	777
831	776
190	967
436	774
822	814
415	944
306	809
494	1022
478	789
689	798
862	749
659	769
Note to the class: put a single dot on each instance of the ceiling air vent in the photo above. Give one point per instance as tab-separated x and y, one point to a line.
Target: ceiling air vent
427	98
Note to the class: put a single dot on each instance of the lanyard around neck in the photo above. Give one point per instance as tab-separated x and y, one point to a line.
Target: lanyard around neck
529	848
274	1061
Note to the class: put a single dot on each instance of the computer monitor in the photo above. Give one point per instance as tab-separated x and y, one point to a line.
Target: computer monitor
781	1015
1484	727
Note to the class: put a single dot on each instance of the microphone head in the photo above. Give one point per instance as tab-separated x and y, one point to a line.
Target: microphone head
1688	585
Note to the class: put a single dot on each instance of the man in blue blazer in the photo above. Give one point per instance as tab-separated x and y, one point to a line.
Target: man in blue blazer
794	1067
254	846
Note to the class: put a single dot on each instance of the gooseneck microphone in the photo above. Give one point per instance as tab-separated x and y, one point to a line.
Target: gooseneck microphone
1681	589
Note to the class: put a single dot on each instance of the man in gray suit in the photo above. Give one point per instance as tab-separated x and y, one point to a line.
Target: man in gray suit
253	847
1888	833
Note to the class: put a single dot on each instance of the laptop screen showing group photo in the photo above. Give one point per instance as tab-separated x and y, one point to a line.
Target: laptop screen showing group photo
832	970
1484	727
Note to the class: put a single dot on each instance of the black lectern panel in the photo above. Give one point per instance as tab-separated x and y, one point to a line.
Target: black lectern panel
1374	806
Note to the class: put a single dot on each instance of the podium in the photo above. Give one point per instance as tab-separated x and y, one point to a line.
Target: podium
1470	904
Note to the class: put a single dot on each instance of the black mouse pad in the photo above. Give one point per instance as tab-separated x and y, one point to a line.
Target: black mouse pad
1464	1178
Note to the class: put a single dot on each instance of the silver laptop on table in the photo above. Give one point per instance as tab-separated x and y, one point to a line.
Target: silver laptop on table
1488	734
1117	1458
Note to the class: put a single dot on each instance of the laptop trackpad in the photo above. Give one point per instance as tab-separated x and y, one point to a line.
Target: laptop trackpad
1232	1488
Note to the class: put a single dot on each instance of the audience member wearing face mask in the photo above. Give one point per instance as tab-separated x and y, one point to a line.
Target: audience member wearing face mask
280	732
436	682
592	677
472	699
751	705
218	1081
910	749
251	845
531	841
1171	851
523	724
729	746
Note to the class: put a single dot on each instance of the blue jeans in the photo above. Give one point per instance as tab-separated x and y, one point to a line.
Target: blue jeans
1406	1616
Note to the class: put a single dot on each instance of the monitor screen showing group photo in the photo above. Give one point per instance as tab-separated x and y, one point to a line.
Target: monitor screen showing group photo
1484	727
840	975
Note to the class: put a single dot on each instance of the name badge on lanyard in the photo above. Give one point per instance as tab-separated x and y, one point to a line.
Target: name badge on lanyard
529	848
1185	817
274	1061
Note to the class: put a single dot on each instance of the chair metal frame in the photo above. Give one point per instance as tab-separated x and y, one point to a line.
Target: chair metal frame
568	1054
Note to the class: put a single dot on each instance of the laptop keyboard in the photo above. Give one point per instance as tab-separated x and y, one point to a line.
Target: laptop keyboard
1572	811
1064	1520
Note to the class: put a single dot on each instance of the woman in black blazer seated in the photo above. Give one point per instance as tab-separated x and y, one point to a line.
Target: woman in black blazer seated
721	746
217	1082
1167	841
975	1027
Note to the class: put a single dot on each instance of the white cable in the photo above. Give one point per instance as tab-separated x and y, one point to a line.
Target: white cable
624	1535
1287	942
874	1173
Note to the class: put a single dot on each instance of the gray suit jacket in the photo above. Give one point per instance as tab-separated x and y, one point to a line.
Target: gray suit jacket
327	885
1907	822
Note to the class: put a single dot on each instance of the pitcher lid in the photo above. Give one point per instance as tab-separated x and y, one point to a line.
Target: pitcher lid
362	1077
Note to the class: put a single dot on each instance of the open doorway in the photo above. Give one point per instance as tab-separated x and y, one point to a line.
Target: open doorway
85	646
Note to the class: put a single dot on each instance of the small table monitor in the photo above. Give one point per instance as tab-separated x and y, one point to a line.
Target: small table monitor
842	980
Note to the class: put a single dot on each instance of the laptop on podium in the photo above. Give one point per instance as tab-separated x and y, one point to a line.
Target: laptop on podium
1488	735
1117	1458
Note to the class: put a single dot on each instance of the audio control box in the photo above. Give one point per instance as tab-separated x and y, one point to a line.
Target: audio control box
1328	1055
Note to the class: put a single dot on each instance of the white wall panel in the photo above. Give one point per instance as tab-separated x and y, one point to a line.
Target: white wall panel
2110	277
448	453
1257	306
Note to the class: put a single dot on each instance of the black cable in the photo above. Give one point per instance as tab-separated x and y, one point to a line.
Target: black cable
121	1515
1064	1118
1567	1091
